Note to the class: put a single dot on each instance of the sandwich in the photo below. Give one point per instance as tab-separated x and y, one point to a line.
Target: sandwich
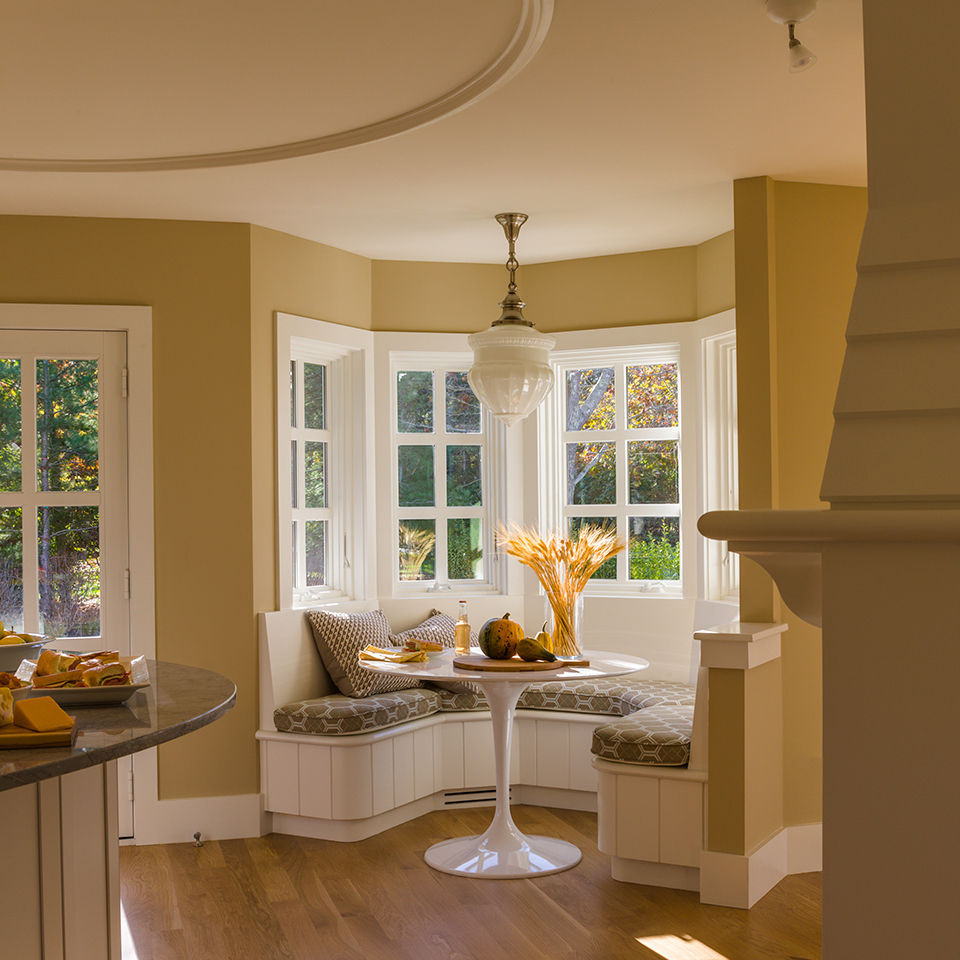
106	675
6	707
69	678
429	645
51	662
104	656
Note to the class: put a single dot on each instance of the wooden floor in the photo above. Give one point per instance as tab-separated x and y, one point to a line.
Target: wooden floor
296	899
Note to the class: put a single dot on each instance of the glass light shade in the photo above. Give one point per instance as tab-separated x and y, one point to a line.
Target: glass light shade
511	372
801	57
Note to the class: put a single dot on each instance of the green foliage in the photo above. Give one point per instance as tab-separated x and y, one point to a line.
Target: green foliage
414	401
654	548
68	538
10	455
463	548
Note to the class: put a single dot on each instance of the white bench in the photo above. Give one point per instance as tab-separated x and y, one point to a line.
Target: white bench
351	787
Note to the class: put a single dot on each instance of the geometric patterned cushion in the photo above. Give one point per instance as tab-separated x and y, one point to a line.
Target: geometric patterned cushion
438	627
336	714
615	696
441	628
659	736
459	700
340	637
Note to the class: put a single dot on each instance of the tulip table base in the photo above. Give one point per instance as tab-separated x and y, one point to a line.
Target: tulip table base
502	852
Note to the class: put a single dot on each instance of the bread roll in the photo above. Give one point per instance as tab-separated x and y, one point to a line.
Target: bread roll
6	707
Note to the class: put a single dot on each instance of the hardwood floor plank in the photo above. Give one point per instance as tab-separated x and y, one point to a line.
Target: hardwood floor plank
290	898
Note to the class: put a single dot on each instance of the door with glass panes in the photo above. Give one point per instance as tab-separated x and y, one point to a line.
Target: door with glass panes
63	493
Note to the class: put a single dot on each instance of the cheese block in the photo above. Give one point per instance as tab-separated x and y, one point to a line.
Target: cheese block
6	706
41	714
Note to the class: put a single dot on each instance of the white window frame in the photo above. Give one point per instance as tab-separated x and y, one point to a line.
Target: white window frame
720	482
493	466
555	437
347	354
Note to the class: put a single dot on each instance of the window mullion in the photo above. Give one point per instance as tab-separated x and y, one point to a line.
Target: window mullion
29	485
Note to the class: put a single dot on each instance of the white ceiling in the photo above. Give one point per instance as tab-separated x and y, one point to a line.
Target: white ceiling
623	132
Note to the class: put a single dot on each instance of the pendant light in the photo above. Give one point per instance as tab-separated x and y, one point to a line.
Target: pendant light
511	372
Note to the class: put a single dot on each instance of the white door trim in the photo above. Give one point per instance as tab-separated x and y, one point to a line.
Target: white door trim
137	323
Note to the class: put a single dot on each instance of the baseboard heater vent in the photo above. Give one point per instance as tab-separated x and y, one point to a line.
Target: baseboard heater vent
477	795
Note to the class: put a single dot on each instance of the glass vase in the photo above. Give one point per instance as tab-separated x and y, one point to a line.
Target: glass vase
565	625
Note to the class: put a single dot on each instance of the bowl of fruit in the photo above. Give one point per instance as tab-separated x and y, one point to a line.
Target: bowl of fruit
16	646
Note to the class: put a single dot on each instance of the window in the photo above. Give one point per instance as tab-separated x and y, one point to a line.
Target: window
64	567
322	489
442	475
310	494
612	430
719	418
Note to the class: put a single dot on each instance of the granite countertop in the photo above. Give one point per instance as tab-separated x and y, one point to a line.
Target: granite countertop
179	699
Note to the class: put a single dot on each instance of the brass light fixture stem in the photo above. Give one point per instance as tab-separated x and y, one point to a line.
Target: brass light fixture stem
511	305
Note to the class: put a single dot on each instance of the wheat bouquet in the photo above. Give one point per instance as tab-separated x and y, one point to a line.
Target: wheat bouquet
563	566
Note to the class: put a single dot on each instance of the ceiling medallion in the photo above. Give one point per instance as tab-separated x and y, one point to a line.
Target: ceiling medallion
527	38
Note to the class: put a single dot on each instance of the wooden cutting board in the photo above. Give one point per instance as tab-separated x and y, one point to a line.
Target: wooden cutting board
12	736
476	661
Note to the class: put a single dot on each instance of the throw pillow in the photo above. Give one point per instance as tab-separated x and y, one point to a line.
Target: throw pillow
440	628
340	637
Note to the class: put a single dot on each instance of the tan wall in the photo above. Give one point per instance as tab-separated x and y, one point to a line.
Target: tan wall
716	276
289	275
655	286
796	251
195	276
448	297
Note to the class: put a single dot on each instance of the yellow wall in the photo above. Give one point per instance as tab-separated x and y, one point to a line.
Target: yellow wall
796	252
655	286
195	276
213	289
289	275
716	276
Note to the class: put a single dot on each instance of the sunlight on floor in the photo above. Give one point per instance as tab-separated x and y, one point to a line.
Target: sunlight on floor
128	949
671	947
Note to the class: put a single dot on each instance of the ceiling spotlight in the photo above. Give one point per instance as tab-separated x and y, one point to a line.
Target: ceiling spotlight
792	12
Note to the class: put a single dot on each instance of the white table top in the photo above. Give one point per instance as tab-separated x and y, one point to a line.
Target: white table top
602	664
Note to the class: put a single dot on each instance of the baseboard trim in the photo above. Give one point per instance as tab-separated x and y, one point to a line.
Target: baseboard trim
655	874
554	797
732	880
349	831
805	848
215	818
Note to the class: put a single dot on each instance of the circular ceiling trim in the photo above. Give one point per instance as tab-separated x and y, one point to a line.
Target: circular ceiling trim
527	38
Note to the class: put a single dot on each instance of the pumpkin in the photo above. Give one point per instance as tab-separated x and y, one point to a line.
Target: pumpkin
499	637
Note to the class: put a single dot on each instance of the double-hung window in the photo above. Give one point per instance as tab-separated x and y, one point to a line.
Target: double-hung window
442	476
613	429
321	453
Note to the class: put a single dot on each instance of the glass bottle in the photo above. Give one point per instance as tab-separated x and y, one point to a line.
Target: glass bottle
461	632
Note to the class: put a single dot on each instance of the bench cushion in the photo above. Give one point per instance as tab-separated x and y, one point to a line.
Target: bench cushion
613	696
659	736
336	715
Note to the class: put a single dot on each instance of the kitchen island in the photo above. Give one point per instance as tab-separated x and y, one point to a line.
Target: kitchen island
58	810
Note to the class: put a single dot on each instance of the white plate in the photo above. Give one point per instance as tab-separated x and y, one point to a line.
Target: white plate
90	696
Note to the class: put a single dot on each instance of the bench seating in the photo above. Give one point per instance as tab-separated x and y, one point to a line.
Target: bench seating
345	768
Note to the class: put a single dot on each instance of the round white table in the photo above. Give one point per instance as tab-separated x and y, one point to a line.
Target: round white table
503	852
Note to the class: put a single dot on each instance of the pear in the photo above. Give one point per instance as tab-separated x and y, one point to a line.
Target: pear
532	650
